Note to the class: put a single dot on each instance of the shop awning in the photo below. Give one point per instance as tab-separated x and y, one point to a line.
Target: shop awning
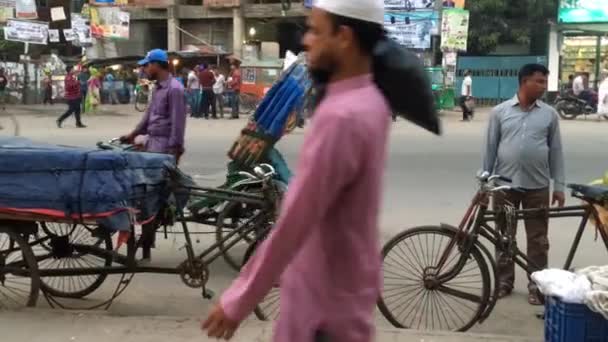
584	28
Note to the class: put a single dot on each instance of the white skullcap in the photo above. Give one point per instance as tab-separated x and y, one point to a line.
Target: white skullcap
366	10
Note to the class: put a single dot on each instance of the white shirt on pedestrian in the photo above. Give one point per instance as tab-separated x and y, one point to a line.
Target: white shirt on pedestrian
466	84
578	85
193	82
220	84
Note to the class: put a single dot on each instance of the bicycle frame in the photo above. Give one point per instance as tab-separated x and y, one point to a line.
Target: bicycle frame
476	223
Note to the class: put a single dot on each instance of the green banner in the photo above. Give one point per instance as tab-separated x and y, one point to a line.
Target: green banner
583	11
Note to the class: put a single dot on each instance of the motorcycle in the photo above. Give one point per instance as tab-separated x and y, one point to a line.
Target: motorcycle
569	106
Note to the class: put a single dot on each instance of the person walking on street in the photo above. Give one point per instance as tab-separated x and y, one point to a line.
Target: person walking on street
523	143
218	89
466	95
110	83
74	97
320	238
163	124
207	79
93	99
48	89
194	93
83	78
3	85
234	83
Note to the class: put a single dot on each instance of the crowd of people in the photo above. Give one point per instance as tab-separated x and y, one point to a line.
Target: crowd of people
209	91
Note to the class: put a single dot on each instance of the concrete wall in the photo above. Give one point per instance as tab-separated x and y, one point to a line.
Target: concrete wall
140	38
214	31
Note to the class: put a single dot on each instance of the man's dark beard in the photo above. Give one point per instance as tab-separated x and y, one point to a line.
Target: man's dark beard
320	79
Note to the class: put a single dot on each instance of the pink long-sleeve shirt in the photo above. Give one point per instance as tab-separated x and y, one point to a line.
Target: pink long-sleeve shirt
325	247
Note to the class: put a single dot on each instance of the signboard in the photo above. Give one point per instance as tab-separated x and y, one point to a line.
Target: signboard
109	2
412	29
109	22
6	13
454	30
583	11
26	31
308	3
249	76
26	9
81	30
411	5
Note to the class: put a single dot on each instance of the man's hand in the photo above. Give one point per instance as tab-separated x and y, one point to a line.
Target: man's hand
559	198
218	325
127	139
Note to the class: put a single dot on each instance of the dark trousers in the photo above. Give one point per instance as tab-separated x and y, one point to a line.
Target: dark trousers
466	112
84	96
235	104
219	100
73	108
536	233
48	95
209	100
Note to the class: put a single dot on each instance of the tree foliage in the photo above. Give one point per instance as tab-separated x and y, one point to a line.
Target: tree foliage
494	22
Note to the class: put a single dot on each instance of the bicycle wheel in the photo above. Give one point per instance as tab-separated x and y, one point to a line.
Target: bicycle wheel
62	249
234	216
414	297
248	103
9	126
16	289
268	308
141	101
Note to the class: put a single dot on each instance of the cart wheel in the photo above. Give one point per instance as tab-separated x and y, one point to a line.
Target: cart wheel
19	276
233	216
66	246
268	308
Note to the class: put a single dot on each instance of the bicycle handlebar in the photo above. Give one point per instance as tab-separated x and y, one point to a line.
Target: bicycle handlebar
259	173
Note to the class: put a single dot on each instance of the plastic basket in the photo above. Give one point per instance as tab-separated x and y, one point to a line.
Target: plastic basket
573	323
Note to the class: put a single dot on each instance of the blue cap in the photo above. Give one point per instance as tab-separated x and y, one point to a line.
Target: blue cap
156	55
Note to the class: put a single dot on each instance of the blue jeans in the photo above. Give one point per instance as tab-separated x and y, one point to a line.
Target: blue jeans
194	99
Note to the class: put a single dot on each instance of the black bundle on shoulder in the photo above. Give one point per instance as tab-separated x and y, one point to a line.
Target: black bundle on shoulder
401	77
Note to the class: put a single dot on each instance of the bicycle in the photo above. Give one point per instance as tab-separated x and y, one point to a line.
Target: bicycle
445	278
142	95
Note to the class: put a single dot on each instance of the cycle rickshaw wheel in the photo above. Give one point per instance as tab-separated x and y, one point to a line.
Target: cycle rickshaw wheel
60	250
414	298
269	308
234	215
19	276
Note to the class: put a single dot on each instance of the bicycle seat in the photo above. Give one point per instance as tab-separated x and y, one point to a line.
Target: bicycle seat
591	193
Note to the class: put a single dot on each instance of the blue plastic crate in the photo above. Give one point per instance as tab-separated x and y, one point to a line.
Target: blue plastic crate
573	323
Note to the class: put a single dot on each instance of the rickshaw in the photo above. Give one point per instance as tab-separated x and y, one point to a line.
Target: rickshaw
257	78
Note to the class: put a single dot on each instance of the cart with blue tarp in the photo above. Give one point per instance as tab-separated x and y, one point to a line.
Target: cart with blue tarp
66	213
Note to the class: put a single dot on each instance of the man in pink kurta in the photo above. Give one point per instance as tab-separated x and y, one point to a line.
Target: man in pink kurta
325	246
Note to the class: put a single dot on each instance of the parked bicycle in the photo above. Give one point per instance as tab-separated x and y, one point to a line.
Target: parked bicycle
444	277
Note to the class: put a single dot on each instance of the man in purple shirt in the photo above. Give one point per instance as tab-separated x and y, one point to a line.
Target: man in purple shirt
324	247
164	123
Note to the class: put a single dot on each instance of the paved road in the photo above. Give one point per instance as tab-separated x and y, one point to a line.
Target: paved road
428	180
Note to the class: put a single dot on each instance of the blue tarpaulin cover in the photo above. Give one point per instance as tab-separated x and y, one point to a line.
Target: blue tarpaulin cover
68	182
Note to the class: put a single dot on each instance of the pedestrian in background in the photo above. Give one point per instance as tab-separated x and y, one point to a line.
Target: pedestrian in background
234	83
466	96
110	84
83	78
93	98
47	83
3	85
207	80
193	91
73	96
218	89
523	143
